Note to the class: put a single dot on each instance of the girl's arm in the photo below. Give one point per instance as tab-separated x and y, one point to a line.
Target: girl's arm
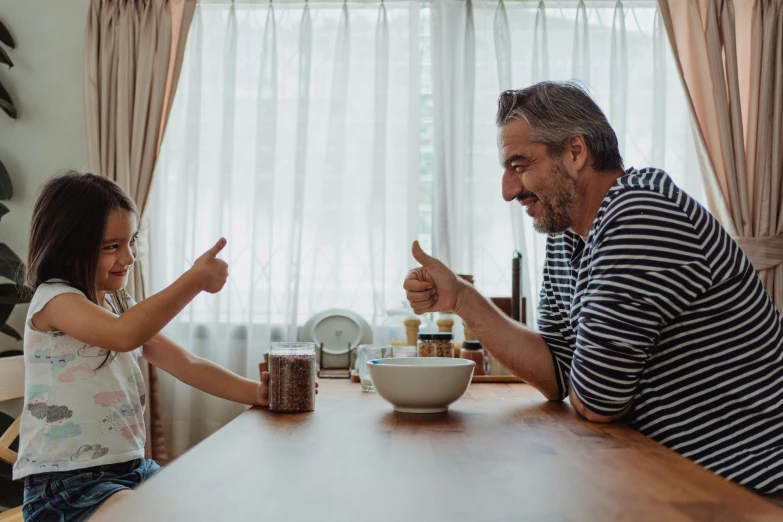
89	323
203	374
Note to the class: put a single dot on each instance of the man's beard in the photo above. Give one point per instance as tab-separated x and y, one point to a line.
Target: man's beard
559	203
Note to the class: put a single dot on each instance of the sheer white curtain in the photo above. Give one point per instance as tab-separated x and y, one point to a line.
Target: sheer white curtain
294	134
321	138
618	50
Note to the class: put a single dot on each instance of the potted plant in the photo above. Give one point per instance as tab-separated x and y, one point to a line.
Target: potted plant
13	291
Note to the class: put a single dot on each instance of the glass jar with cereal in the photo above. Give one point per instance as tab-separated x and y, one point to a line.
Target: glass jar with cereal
292	377
436	344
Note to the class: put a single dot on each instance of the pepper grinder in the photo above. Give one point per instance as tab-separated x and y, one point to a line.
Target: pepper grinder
412	330
446	325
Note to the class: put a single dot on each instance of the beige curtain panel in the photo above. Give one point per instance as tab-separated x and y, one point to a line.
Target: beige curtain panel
132	60
730	58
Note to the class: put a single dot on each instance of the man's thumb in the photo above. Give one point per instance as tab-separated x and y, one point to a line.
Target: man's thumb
425	260
215	250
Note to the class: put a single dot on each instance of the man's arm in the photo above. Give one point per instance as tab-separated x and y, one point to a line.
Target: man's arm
433	287
590	415
646	268
522	350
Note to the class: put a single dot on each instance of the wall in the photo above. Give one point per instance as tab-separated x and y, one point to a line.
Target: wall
46	86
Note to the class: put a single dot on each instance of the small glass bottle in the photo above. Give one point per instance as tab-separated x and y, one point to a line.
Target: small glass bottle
368	352
473	351
292	377
404	351
393	328
436	344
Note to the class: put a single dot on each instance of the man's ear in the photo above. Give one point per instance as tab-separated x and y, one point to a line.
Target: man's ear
576	152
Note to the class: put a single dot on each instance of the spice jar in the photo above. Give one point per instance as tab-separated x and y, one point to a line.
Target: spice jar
473	351
436	345
446	325
292	377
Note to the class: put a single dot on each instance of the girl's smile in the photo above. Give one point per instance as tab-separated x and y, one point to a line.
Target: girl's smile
118	252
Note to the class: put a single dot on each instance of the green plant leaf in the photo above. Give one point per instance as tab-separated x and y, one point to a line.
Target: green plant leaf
5	312
10	331
4	58
5	36
8	294
14	294
6	187
11	266
6	103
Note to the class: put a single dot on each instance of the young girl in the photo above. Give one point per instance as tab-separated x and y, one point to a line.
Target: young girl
82	431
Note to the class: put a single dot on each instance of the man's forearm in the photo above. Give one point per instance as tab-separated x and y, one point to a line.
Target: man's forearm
523	351
590	415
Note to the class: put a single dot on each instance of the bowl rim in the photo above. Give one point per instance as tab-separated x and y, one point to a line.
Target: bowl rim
377	362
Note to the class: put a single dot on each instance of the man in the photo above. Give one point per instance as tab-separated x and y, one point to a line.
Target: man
648	312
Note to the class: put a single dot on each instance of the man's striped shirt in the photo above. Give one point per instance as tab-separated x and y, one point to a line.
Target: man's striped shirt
662	310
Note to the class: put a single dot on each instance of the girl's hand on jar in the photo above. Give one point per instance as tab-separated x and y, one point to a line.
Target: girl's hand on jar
262	393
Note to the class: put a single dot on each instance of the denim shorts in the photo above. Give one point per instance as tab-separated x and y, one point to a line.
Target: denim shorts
73	496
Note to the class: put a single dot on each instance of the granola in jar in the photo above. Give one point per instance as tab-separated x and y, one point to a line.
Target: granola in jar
436	345
292	377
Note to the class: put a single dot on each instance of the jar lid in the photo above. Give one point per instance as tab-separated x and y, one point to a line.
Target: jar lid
436	336
471	345
292	348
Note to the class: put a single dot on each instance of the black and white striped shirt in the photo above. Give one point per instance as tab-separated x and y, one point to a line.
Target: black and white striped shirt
661	309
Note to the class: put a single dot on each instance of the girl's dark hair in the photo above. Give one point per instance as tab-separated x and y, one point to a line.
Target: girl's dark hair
69	217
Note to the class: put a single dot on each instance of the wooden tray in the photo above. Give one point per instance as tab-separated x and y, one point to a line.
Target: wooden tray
496	378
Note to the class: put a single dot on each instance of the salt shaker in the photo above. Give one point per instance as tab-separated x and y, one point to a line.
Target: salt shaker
412	325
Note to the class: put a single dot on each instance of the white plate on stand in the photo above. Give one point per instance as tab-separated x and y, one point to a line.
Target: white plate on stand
340	331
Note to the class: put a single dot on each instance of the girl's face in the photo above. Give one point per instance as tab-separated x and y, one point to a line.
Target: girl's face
118	252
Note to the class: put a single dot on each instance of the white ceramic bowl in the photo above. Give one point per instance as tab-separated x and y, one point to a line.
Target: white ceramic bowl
421	384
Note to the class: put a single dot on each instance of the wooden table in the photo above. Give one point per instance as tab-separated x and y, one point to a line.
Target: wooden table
501	453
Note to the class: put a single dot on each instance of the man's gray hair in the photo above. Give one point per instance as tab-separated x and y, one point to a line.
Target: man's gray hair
555	111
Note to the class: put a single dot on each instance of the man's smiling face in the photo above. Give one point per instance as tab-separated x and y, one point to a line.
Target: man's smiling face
539	182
